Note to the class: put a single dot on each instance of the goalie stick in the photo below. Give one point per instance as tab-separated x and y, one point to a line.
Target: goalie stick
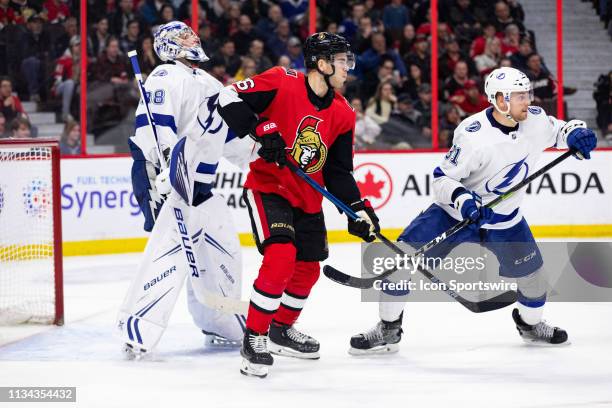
207	298
485	305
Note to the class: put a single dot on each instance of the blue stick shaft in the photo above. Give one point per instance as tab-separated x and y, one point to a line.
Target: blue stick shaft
345	208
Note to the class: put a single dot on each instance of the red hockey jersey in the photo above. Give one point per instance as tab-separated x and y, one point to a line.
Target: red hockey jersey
309	131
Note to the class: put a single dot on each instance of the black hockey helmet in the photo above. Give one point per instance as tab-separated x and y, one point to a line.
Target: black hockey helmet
323	45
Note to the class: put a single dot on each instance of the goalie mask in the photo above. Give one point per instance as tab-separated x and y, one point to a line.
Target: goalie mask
176	40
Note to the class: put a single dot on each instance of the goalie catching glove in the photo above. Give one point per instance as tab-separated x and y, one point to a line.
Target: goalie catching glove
366	226
273	146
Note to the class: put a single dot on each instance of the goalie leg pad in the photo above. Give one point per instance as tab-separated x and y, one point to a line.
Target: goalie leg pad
154	289
220	259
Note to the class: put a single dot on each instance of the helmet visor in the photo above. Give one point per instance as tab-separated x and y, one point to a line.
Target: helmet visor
521	96
344	60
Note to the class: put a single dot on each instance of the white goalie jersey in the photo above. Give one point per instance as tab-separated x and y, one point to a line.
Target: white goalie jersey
183	103
489	159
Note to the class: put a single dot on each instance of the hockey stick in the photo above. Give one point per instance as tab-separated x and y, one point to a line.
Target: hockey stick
497	302
133	56
207	298
365	283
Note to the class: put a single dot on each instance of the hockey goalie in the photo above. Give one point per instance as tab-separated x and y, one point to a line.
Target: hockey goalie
189	224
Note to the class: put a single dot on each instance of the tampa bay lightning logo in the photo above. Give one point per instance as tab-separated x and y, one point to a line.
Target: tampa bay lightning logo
161	73
506	177
534	110
213	121
473	127
37	198
501	76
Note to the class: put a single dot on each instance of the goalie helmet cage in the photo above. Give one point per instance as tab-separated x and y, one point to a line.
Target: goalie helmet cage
31	270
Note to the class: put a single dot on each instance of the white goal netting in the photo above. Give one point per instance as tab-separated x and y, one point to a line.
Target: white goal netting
27	267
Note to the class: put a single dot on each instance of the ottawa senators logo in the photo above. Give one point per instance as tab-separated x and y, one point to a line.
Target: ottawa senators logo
308	150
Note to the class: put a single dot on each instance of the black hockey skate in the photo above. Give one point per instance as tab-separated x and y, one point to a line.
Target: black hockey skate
541	333
256	357
215	340
285	340
383	338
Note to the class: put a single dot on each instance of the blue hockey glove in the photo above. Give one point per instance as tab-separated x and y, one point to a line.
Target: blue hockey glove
470	206
583	140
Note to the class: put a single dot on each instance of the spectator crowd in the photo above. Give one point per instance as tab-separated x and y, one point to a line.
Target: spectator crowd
390	87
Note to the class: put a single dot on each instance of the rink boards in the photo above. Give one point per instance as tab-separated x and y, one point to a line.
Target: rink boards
100	213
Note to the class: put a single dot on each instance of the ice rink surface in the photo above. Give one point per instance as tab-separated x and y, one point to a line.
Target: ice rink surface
449	357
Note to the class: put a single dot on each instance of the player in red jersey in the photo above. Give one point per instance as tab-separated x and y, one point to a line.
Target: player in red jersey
300	118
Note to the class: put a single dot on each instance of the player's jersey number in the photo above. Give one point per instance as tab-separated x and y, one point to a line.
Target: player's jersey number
453	154
158	97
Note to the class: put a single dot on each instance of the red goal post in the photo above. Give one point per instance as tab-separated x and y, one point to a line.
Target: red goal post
31	269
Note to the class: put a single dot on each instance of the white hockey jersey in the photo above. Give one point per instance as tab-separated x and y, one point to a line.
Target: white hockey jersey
489	159
183	103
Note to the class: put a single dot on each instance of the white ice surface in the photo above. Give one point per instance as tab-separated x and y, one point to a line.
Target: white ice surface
449	357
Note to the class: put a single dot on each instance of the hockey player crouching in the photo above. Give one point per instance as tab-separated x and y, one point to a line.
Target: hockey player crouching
493	150
300	118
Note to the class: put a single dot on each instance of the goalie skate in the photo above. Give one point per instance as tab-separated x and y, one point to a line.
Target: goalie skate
134	353
217	341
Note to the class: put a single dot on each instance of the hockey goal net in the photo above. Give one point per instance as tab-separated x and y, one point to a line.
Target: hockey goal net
30	232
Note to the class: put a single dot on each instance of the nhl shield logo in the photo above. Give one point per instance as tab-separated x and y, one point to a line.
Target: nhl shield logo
308	150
